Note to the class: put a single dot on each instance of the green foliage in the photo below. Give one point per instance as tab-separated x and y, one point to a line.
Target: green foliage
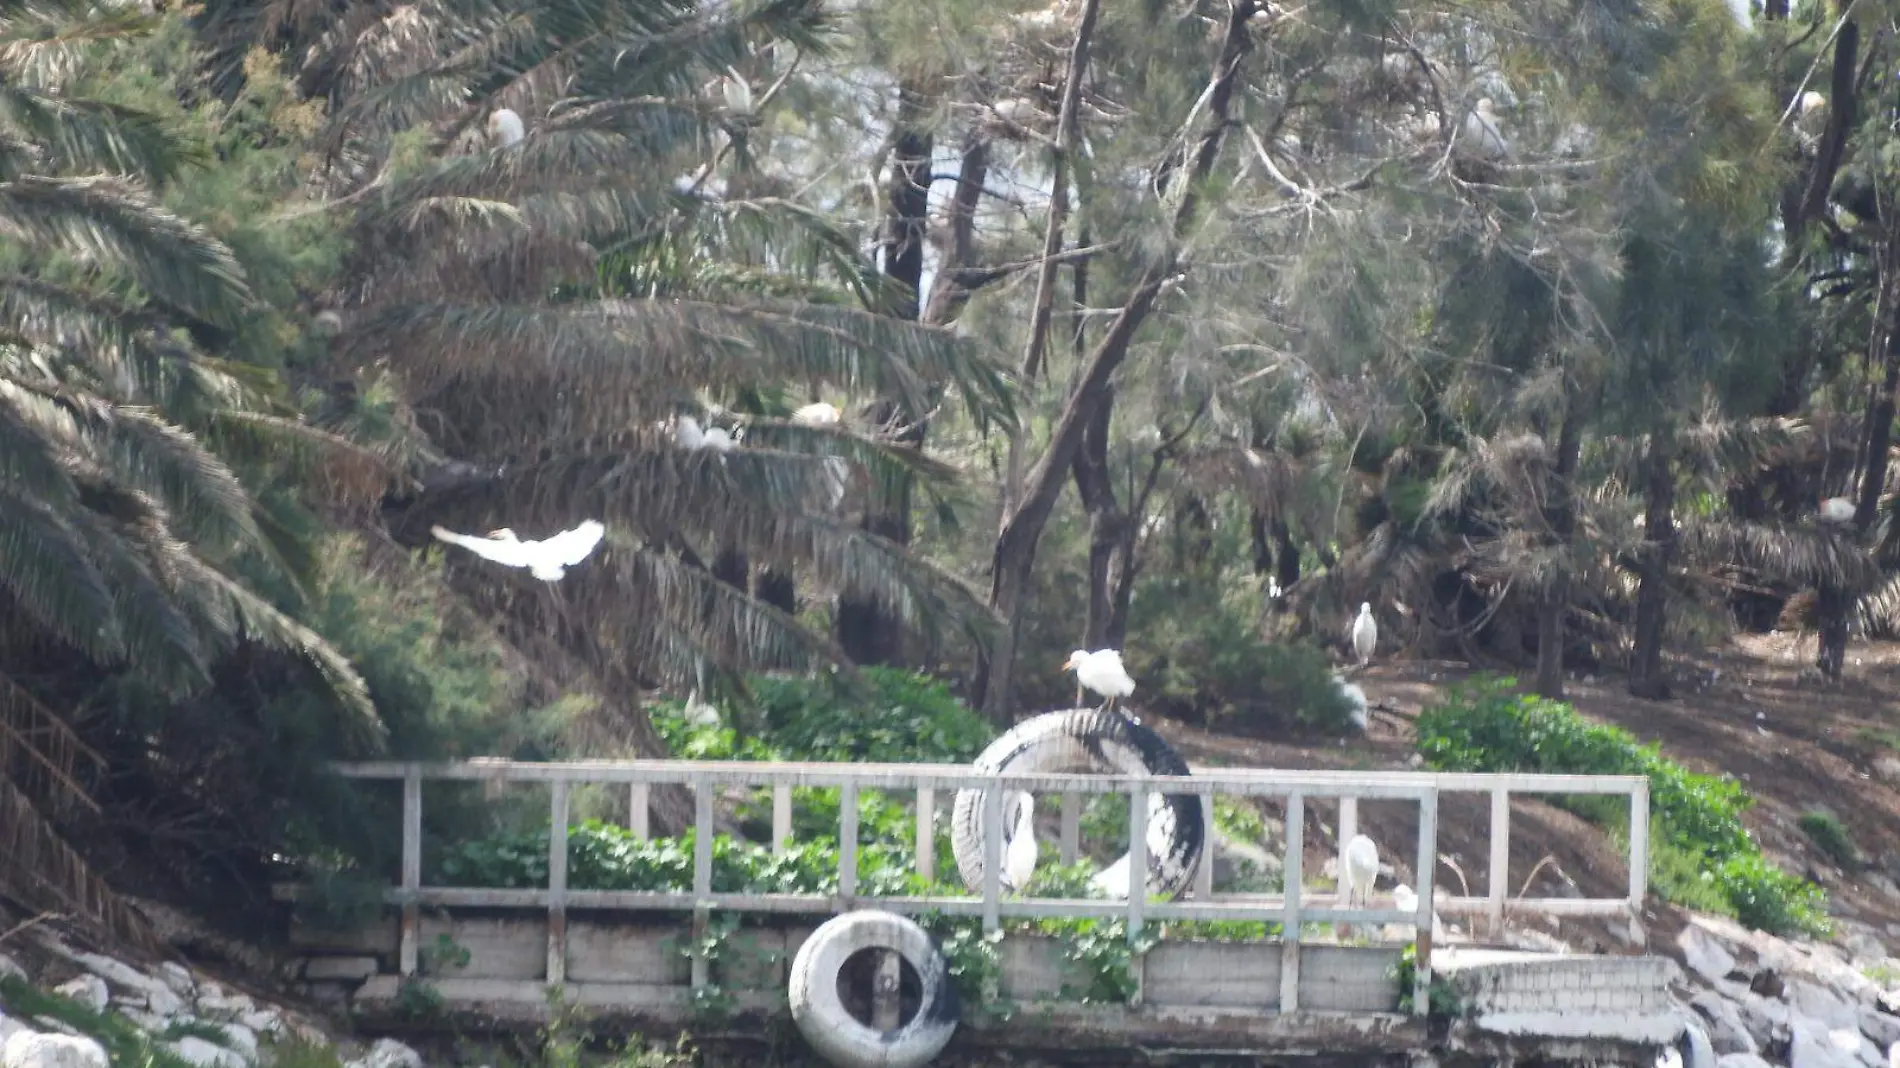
895	717
125	1043
1484	725
1831	837
1445	1003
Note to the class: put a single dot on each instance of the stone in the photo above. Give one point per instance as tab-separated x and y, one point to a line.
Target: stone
10	969
29	1050
1727	1031
240	1038
348	969
1823	1004
117	973
1741	1060
88	990
1882	1028
1704	955
387	1053
222	1006
178	980
267	1022
163	1002
10	1027
202	1053
1812	1046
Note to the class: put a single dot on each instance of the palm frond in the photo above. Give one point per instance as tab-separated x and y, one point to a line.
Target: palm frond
47	42
1798	554
45	873
45	566
91	136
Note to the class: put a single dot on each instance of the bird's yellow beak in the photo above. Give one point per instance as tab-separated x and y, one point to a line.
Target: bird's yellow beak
1069	664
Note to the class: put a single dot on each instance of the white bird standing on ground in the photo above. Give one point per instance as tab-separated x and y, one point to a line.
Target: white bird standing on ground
505	127
1837	510
1481	130
817	413
546	560
1019	845
1100	672
1365	634
1361	870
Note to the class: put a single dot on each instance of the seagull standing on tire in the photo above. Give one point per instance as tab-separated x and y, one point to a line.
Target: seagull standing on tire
1365	634
546	560
1100	672
1019	845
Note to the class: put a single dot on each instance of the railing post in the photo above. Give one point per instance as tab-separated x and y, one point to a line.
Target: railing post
702	879
927	834
1137	856
1427	865
1204	871
1295	876
992	858
781	816
1070	844
557	883
638	820
411	867
1499	881
1639	859
847	844
1348	827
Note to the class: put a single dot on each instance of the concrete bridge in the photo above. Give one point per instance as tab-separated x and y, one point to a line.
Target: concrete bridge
1299	996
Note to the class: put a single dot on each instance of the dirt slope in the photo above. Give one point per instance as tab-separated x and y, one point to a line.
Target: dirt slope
1749	710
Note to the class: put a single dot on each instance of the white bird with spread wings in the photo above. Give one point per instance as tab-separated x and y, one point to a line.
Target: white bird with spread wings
546	560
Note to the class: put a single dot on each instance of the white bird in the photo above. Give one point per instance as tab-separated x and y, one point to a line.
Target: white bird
1811	113
738	93
700	713
1837	510
505	127
1357	696
1112	882
1360	872
687	434
1365	634
1019	845
327	324
1101	672
1481	129
546	560
817	414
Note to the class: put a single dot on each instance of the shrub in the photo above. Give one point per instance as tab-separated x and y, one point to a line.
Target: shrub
1485	725
1828	834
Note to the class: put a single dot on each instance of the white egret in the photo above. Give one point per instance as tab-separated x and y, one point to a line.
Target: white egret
738	93
1837	510
505	127
1365	634
688	434
719	439
1360	872
1481	130
546	560
327	324
699	712
817	414
1019	845
1101	672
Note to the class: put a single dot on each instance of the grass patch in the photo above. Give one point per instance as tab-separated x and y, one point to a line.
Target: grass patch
204	1029
1831	837
1699	848
124	1042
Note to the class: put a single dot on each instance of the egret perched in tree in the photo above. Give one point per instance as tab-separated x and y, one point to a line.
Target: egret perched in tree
817	414
1019	844
546	560
505	127
1365	634
1101	672
1482	134
738	93
1360	872
1837	510
687	434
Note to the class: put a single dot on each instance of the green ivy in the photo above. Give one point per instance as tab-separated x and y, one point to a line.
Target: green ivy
1485	725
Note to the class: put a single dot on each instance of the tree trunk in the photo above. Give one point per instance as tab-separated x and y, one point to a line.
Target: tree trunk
1015	550
1659	547
1560	515
1287	561
1106	521
1835	605
866	631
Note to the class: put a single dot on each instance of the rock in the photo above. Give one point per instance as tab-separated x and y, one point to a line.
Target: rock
243	1039
1741	1060
119	974
178	980
387	1053
1823	1004
1812	1046
1727	1031
145	1021
10	1027
201	1053
348	969
163	1002
222	1006
266	1021
29	1050
10	969
1704	955
88	990
1883	1029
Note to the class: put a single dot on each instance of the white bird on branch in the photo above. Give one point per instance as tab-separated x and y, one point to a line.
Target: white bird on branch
1100	672
1837	510
1365	634
546	560
688	434
818	413
505	127
1481	130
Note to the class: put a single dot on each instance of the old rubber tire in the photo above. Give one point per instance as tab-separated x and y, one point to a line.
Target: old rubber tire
1088	740
829	1027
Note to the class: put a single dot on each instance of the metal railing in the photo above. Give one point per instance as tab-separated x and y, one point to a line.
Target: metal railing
929	782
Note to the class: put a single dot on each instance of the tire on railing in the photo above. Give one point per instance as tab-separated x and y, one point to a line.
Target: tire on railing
1088	740
830	1028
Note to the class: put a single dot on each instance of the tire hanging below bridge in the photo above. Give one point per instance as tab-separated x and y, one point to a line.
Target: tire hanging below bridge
1088	740
830	1028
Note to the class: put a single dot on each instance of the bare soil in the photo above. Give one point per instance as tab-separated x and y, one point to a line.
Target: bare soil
1751	709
